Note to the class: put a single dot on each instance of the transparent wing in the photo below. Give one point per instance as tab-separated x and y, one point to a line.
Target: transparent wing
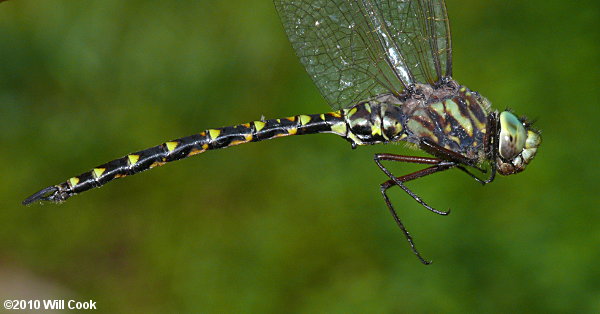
421	31
356	49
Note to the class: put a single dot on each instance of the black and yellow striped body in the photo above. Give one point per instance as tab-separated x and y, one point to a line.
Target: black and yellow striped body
450	116
191	145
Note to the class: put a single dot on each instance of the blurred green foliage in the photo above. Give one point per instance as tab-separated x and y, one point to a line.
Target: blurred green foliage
297	224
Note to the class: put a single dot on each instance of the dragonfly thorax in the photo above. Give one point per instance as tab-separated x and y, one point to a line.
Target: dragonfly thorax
450	116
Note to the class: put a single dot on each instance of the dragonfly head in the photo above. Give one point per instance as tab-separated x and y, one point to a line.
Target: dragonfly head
517	144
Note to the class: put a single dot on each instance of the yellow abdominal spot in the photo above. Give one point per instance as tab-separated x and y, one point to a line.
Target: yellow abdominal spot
397	128
171	145
133	159
73	181
236	143
157	163
339	128
195	151
259	125
375	130
280	135
304	119
214	133
355	139
335	114
98	172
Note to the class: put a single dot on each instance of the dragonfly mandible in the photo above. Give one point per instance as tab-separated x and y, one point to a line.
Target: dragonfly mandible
386	69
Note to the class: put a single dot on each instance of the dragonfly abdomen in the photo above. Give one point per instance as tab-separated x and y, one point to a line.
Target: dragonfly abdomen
210	139
378	120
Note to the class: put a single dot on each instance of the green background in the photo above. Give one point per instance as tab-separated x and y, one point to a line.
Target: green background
296	224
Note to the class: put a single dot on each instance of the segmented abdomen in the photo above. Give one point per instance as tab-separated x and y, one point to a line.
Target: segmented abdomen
192	145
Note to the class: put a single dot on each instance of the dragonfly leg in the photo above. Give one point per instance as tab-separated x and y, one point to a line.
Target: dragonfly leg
465	170
492	176
438	165
401	225
460	160
446	154
493	171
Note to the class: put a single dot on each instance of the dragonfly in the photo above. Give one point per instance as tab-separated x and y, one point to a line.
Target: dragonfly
385	67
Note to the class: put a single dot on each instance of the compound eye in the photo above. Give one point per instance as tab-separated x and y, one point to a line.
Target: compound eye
512	136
